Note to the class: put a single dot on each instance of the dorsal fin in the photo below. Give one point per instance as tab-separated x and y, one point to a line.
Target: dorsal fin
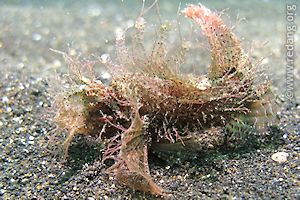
227	55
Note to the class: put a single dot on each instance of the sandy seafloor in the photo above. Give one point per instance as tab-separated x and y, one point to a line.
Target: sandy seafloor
31	168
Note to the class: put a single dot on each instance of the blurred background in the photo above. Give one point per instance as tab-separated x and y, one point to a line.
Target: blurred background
29	28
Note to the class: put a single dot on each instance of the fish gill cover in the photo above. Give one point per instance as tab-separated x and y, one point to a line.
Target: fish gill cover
149	104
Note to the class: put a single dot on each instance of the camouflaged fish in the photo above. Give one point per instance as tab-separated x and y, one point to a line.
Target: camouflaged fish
150	105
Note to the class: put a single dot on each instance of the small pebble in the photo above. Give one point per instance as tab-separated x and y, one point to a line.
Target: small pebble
5	99
51	176
36	37
8	109
280	157
30	142
39	187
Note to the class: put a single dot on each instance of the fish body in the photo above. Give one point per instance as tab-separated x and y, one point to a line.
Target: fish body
152	106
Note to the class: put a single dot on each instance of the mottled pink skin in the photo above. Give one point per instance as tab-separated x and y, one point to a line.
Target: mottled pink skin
204	17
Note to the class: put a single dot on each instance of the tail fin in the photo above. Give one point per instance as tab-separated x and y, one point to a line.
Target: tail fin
264	111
